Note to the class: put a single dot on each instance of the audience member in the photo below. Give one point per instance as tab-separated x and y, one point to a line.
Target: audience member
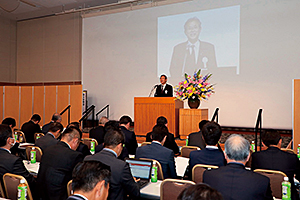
11	122
210	155
90	181
275	159
122	182
50	138
31	127
233	181
130	138
56	117
98	132
196	139
57	165
170	141
157	151
199	192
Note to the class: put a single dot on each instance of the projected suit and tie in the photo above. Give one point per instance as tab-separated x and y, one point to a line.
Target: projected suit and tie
193	54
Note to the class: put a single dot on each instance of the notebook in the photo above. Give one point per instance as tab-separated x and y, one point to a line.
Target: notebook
140	169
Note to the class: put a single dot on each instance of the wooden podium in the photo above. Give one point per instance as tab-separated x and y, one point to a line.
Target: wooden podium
147	109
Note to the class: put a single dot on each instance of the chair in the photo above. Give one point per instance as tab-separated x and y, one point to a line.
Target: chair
20	136
38	135
288	150
38	151
11	182
1	191
160	175
145	143
198	170
276	178
88	141
171	188
69	188
186	150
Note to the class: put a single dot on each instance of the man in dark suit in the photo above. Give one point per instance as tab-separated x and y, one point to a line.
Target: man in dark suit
99	132
57	165
163	89
196	139
157	151
130	138
56	117
193	54
233	181
10	163
31	127
275	159
90	181
122	183
51	137
170	141
210	155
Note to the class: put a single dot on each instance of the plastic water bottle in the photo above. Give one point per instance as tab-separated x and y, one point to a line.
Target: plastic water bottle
37	136
22	190
286	189
154	173
92	147
16	136
253	146
298	151
187	141
33	155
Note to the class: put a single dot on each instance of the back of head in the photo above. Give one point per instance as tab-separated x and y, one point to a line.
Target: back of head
74	124
161	120
125	120
36	118
113	137
70	133
211	132
87	174
159	131
5	133
9	121
56	117
199	192
202	123
237	148
271	137
112	124
103	120
55	126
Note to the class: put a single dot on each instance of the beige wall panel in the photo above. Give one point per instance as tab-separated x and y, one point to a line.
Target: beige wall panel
63	101
296	132
11	107
50	102
26	104
76	102
1	102
38	102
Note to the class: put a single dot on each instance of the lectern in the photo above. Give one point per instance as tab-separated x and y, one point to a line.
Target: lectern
147	109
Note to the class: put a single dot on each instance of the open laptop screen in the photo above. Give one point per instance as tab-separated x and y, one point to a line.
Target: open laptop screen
140	168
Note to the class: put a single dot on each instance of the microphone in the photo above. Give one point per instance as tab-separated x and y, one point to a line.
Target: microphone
155	86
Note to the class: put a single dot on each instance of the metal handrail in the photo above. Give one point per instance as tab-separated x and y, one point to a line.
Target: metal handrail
107	111
69	112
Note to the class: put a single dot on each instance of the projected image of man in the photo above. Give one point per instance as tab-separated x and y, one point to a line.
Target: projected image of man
193	54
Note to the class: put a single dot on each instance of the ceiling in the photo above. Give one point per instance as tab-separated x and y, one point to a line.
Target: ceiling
27	9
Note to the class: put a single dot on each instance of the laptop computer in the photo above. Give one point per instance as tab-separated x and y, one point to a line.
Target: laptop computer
140	169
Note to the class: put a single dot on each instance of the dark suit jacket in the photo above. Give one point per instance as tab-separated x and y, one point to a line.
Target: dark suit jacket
124	154
84	149
46	127
179	58
169	143
98	134
195	139
167	92
121	182
29	129
46	141
234	182
55	171
275	159
162	154
130	140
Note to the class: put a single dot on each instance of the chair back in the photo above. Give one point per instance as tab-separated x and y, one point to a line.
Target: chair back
69	188
88	141
171	188
198	170
1	191
20	136
38	153
186	150
145	143
276	178
160	175
11	182
288	150
38	135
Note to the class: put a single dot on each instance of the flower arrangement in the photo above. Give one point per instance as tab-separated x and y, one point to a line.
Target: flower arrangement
194	87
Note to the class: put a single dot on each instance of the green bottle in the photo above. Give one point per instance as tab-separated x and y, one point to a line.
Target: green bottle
286	189
187	141
253	146
38	136
33	155
22	190
298	151
92	147
154	173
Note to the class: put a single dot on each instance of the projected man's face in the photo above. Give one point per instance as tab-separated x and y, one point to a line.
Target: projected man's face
163	80
192	31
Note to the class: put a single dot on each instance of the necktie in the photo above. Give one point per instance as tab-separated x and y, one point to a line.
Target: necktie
190	62
162	89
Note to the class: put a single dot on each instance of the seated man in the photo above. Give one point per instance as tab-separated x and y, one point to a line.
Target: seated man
90	181
233	181
122	183
31	127
157	151
56	117
199	191
99	132
211	155
170	141
57	165
130	138
11	122
275	159
51	137
196	139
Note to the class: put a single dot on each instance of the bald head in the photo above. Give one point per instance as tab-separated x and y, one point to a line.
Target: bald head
237	148
103	120
56	117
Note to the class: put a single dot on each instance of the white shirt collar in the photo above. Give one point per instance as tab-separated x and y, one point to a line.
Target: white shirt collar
51	134
110	150
81	196
5	149
157	142
211	147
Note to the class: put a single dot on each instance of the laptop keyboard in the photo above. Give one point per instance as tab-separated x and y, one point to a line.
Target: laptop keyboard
142	183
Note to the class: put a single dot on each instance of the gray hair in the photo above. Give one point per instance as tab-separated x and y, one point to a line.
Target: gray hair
103	120
237	148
